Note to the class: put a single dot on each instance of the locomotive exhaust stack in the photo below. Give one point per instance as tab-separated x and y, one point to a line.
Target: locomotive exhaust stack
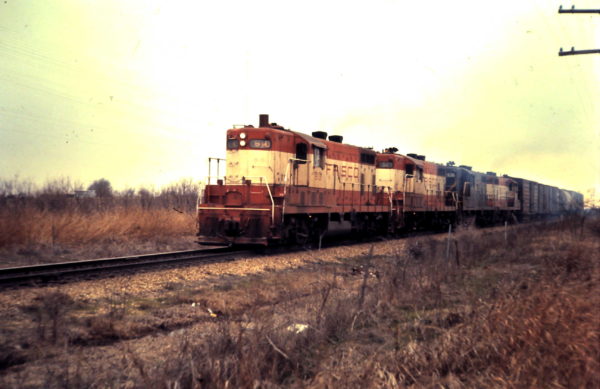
319	134
263	120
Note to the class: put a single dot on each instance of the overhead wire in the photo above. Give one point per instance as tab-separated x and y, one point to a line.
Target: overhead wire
587	103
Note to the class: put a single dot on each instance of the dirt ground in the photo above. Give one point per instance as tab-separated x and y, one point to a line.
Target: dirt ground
136	311
402	313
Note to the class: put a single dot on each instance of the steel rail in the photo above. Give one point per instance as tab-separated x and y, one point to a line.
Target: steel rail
38	275
30	275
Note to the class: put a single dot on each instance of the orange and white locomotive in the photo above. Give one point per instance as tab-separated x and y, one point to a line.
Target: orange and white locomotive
283	186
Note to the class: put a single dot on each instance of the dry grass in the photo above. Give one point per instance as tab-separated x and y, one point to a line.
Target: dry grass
484	311
42	224
506	316
30	226
547	337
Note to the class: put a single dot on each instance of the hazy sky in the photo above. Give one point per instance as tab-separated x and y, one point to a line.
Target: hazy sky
141	92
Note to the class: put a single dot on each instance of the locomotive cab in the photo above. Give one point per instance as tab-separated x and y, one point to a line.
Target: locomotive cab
255	154
390	172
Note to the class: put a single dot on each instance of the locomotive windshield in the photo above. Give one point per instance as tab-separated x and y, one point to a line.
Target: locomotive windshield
233	144
385	164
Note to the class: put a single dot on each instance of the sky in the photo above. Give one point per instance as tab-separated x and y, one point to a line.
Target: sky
141	92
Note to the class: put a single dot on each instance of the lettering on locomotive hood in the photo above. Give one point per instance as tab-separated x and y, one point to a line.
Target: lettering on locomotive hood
344	171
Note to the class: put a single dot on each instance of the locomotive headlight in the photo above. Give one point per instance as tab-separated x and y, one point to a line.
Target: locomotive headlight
243	135
243	142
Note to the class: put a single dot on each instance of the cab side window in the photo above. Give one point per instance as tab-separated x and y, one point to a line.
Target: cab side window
301	151
467	189
319	155
419	173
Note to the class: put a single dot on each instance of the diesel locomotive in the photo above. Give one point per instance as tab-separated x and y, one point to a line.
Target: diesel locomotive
286	187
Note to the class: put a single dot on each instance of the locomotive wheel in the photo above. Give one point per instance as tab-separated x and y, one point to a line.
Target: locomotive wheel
303	235
468	222
302	238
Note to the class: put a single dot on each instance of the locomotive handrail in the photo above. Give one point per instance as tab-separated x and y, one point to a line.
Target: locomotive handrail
272	201
210	159
230	208
299	159
270	195
406	177
285	184
455	198
266	183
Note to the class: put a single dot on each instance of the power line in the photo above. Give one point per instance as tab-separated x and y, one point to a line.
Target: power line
576	52
573	10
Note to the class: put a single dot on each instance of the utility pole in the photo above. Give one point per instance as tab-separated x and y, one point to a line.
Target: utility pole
572	10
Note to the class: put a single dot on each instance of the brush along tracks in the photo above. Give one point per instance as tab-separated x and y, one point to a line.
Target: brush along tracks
62	272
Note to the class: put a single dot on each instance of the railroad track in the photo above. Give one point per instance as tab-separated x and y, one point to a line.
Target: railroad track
64	271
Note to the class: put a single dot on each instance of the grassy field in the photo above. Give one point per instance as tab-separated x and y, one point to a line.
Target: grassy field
51	224
31	227
483	309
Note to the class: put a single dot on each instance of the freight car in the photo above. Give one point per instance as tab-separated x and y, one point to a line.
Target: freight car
283	186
